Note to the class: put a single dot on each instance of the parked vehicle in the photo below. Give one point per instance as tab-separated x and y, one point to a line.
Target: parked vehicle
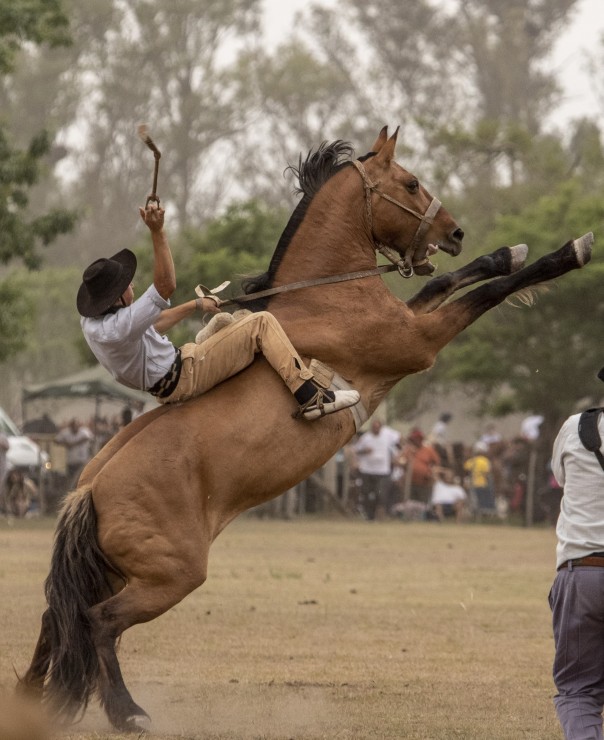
23	453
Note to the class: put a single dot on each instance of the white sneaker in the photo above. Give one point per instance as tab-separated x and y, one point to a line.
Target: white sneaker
321	404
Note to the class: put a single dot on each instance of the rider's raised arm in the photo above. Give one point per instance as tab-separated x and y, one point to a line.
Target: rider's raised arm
164	275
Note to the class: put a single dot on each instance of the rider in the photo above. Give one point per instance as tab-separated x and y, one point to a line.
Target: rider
127	336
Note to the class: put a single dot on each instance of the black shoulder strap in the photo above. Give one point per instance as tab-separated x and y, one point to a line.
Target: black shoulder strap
589	434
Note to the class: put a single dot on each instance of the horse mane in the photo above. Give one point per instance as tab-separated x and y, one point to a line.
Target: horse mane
311	174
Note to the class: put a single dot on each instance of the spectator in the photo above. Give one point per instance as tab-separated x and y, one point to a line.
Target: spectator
440	430
478	467
126	416
439	439
374	452
448	496
43	425
531	427
76	438
420	461
515	462
3	464
491	436
577	596
19	493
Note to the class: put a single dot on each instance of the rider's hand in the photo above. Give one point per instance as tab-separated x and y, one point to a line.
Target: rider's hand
153	216
208	305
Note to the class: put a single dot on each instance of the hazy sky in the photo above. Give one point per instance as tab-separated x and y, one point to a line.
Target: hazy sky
581	38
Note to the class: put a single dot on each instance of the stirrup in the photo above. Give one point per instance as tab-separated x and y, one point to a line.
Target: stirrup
322	403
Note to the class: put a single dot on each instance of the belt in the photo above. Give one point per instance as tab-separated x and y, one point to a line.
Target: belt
592	560
167	385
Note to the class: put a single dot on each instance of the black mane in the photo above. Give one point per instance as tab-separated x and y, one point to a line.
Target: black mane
312	173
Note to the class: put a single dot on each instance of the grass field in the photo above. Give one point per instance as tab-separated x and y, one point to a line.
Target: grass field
329	629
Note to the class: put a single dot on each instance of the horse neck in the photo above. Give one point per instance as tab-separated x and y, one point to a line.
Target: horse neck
352	326
332	238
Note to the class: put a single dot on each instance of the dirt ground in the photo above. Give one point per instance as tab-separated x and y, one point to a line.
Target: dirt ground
314	629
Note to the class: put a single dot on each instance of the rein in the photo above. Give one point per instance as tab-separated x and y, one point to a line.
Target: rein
202	291
404	266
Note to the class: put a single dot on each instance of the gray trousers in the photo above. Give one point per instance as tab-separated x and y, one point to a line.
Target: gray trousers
577	603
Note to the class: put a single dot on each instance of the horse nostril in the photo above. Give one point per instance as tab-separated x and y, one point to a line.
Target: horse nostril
458	235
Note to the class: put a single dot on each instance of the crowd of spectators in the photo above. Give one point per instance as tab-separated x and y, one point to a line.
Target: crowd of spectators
19	489
426	476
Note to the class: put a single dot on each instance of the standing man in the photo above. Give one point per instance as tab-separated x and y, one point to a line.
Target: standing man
77	440
577	595
4	447
374	451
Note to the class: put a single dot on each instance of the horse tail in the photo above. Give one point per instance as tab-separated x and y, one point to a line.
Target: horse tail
78	579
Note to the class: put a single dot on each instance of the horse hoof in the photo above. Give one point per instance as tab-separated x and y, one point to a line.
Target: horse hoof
137	723
582	247
519	254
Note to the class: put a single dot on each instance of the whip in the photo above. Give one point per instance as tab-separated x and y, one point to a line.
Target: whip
143	132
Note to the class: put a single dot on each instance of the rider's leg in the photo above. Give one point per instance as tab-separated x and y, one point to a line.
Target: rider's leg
233	348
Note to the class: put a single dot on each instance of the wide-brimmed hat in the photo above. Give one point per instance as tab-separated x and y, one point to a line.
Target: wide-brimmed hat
104	281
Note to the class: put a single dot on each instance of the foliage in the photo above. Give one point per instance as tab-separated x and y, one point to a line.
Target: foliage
16	321
19	172
35	305
539	347
21	233
38	21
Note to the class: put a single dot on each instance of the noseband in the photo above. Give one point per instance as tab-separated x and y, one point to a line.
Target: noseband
404	265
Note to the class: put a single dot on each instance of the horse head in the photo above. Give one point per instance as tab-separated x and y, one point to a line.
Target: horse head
367	204
404	220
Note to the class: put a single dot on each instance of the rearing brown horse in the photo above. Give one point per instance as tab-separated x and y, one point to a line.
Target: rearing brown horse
133	539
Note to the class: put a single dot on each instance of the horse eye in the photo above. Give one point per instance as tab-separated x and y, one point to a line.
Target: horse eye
413	186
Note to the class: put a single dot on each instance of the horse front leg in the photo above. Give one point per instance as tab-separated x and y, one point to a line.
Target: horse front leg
450	320
503	261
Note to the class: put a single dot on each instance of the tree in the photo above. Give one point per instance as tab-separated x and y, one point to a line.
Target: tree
22	232
170	65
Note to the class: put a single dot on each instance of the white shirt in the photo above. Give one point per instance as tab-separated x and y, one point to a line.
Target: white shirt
381	446
447	493
77	444
128	346
530	427
580	527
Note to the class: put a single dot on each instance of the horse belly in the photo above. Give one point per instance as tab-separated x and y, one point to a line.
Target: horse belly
203	462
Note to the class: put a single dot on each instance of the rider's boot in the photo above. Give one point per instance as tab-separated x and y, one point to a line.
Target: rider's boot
316	402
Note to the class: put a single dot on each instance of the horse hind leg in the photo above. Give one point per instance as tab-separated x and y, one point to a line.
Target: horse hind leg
32	683
140	601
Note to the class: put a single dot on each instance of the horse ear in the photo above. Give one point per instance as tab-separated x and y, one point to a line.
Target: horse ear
386	153
381	140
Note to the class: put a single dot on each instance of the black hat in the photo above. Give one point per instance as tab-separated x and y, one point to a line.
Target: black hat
601	374
104	281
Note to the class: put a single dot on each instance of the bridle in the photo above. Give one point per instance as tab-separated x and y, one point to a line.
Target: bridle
405	265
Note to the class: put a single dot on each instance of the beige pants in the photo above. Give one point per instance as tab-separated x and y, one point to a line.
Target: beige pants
232	349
